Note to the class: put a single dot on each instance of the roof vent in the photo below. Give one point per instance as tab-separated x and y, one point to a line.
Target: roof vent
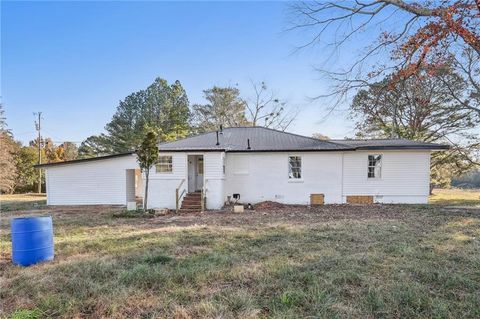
248	144
218	142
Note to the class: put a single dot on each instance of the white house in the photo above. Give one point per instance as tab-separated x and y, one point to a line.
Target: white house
250	165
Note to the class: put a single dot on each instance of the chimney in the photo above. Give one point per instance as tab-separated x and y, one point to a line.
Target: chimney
248	144
218	143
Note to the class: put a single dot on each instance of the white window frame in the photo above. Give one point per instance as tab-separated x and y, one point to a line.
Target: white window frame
165	167
376	168
290	176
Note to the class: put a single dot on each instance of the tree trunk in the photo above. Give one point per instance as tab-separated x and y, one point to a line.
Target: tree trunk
432	186
145	200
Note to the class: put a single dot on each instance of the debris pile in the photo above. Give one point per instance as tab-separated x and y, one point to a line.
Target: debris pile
267	205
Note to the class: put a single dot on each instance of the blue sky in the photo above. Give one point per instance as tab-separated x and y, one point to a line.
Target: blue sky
75	60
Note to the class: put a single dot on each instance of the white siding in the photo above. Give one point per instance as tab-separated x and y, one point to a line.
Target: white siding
214	179
161	188
130	185
405	176
255	176
87	183
162	185
264	176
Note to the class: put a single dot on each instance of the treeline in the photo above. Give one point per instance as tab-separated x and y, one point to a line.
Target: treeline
163	108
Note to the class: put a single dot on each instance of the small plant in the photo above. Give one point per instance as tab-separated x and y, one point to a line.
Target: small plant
27	314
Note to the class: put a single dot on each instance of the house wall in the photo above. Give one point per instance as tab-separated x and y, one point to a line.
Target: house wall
264	176
405	176
162	185
214	179
130	185
255	176
88	183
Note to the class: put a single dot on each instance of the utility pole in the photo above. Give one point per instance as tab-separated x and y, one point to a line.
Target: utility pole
38	127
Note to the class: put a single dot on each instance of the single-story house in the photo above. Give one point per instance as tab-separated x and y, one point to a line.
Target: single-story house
251	165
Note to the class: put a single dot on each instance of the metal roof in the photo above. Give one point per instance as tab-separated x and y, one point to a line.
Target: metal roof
261	139
83	160
235	139
385	144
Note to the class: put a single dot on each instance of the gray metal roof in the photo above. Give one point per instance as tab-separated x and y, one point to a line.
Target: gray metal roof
81	160
235	139
371	144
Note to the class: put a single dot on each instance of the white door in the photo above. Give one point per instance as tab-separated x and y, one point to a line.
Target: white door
191	174
199	172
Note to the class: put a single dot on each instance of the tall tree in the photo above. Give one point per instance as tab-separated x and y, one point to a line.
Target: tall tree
67	151
8	171
161	107
95	145
421	107
391	37
147	155
25	159
266	109
225	107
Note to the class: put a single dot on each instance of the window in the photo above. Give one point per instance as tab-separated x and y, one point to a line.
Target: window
200	165
294	167
374	166
164	164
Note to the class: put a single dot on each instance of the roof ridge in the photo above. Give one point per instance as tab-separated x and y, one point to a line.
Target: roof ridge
374	139
289	133
187	137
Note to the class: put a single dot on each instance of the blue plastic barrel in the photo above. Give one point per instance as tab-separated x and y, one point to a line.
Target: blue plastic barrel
32	240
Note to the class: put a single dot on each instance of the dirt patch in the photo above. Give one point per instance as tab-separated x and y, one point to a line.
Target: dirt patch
268	205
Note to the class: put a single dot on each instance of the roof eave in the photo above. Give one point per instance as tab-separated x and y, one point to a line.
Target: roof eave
405	147
83	160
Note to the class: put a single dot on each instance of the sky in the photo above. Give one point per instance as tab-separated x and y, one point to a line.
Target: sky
74	61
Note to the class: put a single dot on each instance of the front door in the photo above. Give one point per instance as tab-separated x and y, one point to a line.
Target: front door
195	173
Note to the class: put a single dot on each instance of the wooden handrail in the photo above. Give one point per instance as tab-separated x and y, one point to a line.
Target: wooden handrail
178	196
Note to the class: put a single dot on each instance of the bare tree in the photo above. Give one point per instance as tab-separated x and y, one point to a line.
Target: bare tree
266	109
409	35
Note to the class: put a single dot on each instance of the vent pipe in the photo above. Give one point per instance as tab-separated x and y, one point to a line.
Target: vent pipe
248	144
218	142
221	129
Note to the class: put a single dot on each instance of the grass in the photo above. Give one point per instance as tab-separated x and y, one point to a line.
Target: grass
22	202
469	197
380	261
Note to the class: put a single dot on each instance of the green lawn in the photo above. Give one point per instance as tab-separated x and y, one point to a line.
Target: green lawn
380	261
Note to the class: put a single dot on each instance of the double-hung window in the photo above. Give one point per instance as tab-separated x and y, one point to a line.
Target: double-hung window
374	166
164	164
294	167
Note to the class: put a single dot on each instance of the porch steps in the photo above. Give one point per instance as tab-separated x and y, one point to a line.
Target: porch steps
192	202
